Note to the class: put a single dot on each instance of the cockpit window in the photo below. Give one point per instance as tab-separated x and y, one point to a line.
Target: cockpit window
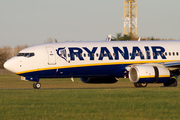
26	54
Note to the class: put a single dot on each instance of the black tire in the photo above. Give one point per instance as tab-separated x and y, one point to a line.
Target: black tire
166	84
34	85
136	84
140	84
171	83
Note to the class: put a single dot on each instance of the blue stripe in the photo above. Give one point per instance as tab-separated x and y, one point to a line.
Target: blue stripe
89	71
151	80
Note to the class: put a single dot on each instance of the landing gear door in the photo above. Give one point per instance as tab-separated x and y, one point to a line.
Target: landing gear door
51	56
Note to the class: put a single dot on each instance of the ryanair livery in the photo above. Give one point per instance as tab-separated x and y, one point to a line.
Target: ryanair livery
142	62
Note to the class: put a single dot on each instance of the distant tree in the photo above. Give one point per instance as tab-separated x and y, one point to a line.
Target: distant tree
119	37
55	40
126	37
152	38
50	40
5	53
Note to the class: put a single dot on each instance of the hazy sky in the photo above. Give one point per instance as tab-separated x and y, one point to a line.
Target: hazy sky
34	21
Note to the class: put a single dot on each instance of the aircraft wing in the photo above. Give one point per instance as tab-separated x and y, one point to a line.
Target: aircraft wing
172	65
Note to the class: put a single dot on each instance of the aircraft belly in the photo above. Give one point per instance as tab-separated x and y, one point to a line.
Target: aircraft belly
88	71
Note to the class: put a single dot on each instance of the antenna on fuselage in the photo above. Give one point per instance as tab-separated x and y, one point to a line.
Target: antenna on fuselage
108	38
139	39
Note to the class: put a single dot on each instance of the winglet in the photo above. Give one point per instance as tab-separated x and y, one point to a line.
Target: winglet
139	39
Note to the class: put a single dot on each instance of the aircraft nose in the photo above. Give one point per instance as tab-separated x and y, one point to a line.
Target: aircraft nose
11	65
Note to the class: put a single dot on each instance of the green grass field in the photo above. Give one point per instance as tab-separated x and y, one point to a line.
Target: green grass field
80	101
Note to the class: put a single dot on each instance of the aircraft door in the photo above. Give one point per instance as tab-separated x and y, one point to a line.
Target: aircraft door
51	56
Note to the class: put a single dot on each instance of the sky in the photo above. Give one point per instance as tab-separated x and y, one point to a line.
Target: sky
32	22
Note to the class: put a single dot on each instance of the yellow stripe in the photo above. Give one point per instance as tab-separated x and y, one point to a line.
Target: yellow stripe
97	64
164	76
151	76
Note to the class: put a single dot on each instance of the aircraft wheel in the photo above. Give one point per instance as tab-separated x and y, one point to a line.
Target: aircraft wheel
143	84
140	84
34	85
137	84
38	85
171	83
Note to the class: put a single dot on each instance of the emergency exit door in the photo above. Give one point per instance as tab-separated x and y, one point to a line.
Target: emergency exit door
51	56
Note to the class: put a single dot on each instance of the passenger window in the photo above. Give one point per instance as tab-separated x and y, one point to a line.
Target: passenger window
77	55
110	54
177	53
169	53
101	55
122	54
166	53
161	53
173	53
96	54
84	55
141	54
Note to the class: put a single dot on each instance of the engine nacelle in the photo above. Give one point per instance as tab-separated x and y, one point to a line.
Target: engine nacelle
99	80
149	74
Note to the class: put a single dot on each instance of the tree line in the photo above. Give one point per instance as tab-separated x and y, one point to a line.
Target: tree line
120	37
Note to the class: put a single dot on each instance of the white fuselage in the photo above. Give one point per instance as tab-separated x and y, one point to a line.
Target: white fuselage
78	59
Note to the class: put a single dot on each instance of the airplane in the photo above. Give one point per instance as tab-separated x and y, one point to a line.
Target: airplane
143	62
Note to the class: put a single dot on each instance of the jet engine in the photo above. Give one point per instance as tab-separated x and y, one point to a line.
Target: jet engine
149	74
99	80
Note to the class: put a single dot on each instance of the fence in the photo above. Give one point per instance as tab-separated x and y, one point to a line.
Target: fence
5	72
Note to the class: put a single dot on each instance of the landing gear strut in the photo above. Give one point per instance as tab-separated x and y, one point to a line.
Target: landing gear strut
37	85
171	83
140	84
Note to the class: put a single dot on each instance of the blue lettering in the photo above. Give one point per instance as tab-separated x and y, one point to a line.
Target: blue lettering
147	52
157	50
91	53
105	53
125	54
136	52
77	52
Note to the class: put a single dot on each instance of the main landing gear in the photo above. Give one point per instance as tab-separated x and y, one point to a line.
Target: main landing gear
140	84
171	83
37	85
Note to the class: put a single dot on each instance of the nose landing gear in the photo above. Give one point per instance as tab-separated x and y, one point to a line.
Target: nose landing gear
37	85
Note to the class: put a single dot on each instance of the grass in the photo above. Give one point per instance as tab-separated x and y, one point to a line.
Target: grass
85	101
